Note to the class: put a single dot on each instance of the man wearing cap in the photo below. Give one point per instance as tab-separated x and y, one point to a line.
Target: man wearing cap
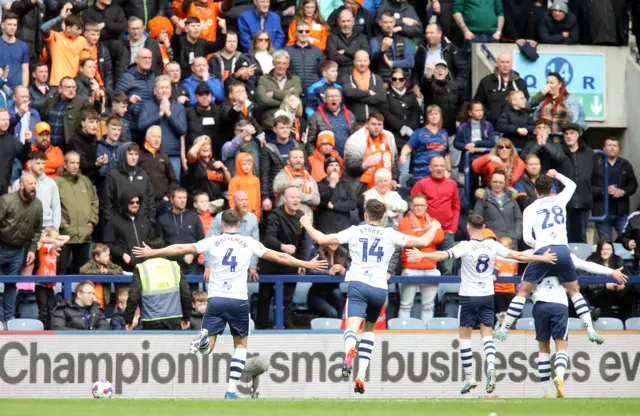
203	118
42	142
200	74
559	26
337	200
325	145
439	48
582	166
389	49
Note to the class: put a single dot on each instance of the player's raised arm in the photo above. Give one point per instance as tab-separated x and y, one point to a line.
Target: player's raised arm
527	227
415	255
172	250
569	185
287	260
317	236
598	269
426	238
547	257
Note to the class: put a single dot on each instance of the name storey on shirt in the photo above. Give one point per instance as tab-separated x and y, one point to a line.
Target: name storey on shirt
371	229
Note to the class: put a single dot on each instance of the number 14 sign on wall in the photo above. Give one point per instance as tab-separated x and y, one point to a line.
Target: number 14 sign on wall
584	74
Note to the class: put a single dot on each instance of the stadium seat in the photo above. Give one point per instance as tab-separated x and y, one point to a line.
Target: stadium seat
443	323
581	250
632	324
624	254
576	324
525	324
608	324
451	308
404	323
24	325
252	325
325	323
527	311
1	326
28	310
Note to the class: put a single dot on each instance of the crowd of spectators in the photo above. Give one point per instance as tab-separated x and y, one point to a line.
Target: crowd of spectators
127	121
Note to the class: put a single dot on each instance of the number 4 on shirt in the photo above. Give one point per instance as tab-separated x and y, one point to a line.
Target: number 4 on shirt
373	251
229	260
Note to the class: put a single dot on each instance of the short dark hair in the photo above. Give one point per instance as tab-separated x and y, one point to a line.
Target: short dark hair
418	195
377	116
326	64
543	185
386	13
9	16
476	221
178	190
84	283
156	243
375	209
191	19
612	139
120	98
89	114
230	217
37	155
115	120
74	20
544	121
131	146
282	120
67	78
98	249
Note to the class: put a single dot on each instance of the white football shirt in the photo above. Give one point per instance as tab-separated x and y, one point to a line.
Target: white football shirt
371	248
550	290
229	260
478	259
546	218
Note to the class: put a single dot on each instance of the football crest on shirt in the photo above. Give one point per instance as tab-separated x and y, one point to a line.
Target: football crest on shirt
549	284
226	285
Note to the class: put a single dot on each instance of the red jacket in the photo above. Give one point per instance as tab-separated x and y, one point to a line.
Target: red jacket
443	201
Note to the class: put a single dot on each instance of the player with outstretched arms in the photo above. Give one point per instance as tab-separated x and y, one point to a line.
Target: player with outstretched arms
371	247
230	257
546	218
476	292
551	319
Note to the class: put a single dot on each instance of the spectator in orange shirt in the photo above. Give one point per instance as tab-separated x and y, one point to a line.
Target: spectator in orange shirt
50	242
64	47
161	29
416	223
309	12
207	11
42	142
246	181
504	292
325	148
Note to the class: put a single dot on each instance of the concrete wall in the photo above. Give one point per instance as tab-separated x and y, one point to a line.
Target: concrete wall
615	64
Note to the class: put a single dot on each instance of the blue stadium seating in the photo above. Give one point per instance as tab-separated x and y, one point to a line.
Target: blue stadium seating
443	323
525	324
325	323
24	325
632	324
404	323
608	324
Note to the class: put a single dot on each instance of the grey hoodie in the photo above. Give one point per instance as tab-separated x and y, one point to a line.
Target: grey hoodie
47	193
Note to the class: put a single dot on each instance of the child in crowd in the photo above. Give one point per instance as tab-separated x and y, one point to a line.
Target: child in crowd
516	122
101	263
161	29
504	292
243	142
292	108
199	302
119	106
50	242
110	144
117	320
315	92
246	181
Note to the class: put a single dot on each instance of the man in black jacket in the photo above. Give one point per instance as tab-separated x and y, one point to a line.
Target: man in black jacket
283	233
364	20
622	184
549	153
189	45
337	200
158	167
9	148
126	230
344	42
127	47
80	313
493	89
559	26
85	143
204	119
128	177
181	226
440	48
39	88
111	18
238	107
582	166
305	58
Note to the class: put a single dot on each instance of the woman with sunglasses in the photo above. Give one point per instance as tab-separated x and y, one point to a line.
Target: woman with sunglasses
318	30
503	156
402	115
259	59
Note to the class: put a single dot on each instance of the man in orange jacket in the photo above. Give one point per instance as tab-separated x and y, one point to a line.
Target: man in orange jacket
42	142
416	223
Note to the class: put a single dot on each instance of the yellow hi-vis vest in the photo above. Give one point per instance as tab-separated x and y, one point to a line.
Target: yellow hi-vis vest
160	297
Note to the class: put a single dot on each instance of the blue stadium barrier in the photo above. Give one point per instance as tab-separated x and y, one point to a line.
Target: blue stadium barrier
605	174
279	280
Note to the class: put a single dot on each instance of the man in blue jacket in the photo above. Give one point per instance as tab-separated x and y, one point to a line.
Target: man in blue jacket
200	74
260	17
171	116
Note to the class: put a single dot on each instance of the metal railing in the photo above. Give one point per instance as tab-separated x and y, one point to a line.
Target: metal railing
605	184
279	281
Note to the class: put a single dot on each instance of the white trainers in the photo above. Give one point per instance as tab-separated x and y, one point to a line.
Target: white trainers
196	342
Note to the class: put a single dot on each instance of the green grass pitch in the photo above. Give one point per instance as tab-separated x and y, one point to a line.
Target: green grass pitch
260	407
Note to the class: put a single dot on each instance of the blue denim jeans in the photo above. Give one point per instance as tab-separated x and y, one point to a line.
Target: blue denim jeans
465	47
10	263
605	228
176	163
446	267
